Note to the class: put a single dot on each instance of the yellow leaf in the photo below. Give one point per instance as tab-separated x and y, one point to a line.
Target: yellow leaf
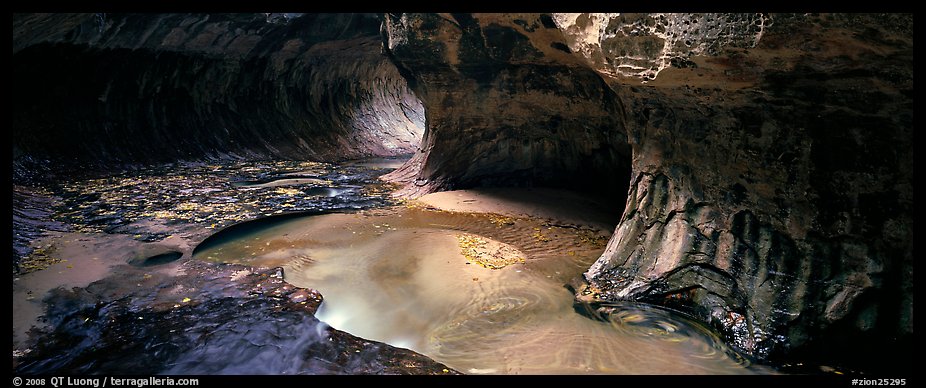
185	300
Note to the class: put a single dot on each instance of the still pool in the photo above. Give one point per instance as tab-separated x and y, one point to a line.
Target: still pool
407	276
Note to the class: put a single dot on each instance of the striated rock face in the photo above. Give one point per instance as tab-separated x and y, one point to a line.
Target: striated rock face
778	207
504	109
764	162
142	88
108	90
771	188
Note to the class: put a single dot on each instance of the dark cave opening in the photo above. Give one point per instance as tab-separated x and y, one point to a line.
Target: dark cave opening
320	97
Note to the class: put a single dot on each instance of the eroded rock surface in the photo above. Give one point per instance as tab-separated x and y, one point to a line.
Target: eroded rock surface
642	45
207	319
96	88
771	186
504	107
764	163
122	296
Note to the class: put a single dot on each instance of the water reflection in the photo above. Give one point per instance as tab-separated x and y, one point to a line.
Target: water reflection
398	276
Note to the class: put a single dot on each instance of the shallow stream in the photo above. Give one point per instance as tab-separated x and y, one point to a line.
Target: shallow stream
412	277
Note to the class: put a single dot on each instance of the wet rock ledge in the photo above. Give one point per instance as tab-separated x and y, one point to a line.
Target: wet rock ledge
204	319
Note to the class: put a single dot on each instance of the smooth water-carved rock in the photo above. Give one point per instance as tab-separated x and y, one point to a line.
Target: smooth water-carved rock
771	154
503	107
153	88
764	162
776	235
207	319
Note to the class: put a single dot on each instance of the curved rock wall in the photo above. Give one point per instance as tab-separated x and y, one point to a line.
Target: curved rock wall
506	107
771	191
143	88
776	206
769	157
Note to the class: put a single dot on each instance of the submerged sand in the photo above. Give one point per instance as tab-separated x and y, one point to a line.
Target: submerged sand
84	259
473	278
559	206
423	278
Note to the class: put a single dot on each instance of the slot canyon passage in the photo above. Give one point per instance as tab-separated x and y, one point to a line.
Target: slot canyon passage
463	193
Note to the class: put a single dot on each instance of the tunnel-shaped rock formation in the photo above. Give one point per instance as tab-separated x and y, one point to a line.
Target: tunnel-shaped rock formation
771	187
504	110
764	163
143	88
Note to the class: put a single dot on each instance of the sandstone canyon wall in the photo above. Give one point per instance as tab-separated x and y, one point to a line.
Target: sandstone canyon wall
146	87
771	187
764	163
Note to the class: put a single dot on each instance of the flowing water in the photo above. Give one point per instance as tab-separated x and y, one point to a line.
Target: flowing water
405	276
408	276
